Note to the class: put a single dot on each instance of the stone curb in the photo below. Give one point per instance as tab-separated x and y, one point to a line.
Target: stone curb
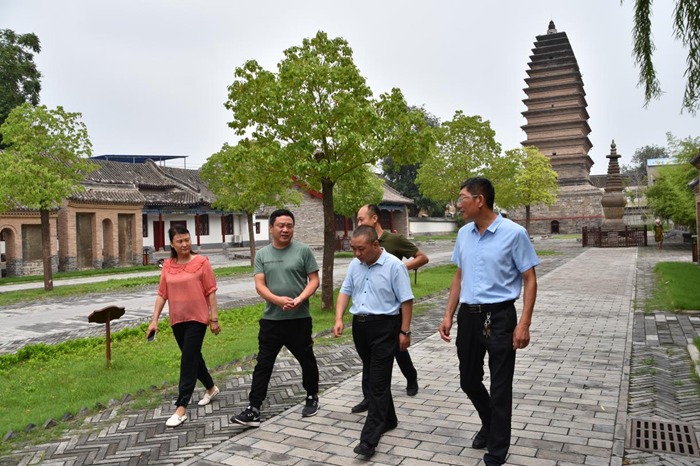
694	356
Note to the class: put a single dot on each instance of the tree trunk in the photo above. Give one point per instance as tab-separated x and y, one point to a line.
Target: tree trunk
251	235
328	245
527	219
46	249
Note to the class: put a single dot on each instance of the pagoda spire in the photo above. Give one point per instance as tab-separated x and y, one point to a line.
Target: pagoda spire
557	120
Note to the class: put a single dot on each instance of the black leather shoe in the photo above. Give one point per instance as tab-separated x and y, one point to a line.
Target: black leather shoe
361	407
412	388
364	449
480	441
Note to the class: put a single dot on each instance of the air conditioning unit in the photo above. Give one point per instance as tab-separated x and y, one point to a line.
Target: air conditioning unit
237	239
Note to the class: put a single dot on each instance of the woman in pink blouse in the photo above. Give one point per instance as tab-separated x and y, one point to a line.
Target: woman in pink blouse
187	282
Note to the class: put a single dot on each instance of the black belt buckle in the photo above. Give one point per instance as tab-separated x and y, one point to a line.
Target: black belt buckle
361	317
475	308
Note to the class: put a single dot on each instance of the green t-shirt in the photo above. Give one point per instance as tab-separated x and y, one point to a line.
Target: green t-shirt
286	274
397	245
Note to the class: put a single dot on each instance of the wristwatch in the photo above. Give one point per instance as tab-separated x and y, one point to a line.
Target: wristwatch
407	333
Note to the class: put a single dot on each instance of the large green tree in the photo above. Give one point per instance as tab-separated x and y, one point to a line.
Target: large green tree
243	178
466	147
529	179
44	163
321	111
403	177
669	196
686	28
20	80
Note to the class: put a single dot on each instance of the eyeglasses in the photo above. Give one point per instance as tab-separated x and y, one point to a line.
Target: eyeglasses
460	199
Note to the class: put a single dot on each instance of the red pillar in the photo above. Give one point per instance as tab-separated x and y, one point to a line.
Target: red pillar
197	226
391	221
346	227
223	228
161	231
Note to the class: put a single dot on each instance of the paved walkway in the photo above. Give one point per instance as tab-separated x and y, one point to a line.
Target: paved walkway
570	390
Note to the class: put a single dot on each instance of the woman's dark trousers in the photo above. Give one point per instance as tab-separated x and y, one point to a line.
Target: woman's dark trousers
189	337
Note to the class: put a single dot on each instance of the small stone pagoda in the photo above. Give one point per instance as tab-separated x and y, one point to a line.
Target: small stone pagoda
614	200
557	124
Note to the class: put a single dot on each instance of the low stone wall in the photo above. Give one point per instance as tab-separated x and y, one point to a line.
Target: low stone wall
20	268
432	225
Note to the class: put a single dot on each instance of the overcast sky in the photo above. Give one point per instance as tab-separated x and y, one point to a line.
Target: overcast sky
150	77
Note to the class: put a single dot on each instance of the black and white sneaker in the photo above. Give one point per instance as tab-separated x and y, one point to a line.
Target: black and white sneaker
311	408
249	417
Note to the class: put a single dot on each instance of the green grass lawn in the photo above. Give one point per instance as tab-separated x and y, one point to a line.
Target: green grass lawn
78	274
42	381
547	252
100	287
566	236
676	287
344	254
448	237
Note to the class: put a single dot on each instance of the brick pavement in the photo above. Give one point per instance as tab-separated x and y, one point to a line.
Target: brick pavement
662	383
570	390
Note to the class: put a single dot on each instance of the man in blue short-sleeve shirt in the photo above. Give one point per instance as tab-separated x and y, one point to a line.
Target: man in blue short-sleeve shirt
379	286
495	259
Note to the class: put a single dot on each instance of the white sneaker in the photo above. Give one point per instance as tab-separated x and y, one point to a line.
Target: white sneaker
206	399
175	420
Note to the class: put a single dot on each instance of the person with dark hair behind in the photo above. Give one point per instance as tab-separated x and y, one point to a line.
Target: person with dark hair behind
188	284
286	275
379	286
494	260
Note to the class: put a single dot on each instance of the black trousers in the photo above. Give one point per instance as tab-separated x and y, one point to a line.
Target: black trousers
189	337
495	409
295	334
403	358
376	342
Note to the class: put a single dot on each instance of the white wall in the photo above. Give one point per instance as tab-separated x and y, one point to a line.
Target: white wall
240	228
434	226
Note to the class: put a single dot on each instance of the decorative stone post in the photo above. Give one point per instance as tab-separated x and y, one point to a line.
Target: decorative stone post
614	200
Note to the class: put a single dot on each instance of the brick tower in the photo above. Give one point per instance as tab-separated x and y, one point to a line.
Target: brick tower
557	124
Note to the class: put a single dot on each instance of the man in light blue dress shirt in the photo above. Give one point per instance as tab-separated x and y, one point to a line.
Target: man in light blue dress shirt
494	260
379	286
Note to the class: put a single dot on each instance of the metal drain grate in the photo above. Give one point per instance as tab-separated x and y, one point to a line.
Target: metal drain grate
662	436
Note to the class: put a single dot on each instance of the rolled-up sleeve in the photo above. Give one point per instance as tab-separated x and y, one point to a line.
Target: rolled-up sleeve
208	279
163	286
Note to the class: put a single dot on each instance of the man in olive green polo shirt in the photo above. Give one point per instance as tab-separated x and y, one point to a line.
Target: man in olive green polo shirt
400	247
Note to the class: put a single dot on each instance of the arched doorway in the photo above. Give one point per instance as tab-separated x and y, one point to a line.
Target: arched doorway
108	253
8	248
554	227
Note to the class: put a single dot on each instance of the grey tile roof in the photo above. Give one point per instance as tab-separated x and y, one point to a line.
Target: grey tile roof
110	194
392	196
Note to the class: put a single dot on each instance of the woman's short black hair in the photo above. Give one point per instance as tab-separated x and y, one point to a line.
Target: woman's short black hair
177	230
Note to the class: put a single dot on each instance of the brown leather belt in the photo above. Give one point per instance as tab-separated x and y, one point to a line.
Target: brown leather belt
477	308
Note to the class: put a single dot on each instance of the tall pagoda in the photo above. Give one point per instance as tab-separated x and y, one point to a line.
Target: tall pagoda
557	124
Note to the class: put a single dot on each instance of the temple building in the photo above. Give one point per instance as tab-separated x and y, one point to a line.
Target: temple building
557	124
